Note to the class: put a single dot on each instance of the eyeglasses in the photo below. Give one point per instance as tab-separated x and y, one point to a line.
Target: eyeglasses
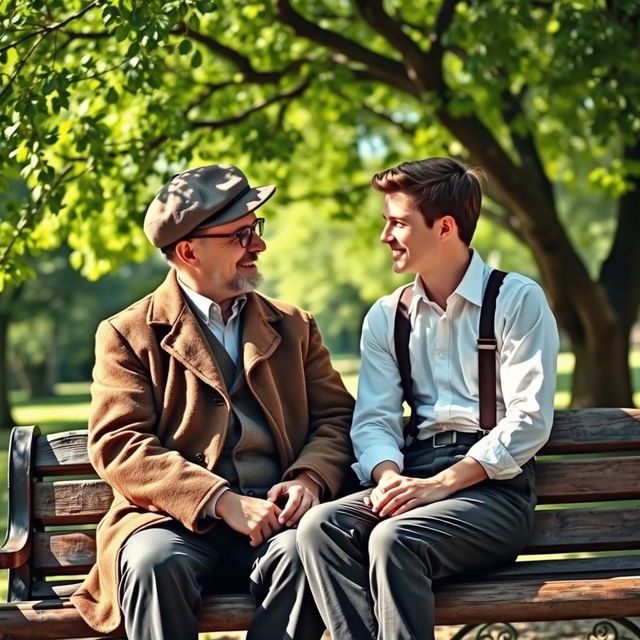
243	236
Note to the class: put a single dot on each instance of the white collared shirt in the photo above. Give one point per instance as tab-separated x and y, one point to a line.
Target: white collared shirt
444	371
230	334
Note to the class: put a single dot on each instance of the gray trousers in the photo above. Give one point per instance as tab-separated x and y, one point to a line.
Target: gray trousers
164	571
372	577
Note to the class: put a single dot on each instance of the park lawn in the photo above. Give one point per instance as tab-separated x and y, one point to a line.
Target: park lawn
69	409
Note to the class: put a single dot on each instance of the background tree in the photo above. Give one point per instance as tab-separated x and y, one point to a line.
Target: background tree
102	101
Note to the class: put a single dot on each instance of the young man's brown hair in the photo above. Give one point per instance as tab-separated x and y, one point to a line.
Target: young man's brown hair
439	187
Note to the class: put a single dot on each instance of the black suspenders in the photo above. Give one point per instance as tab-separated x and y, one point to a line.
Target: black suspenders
487	345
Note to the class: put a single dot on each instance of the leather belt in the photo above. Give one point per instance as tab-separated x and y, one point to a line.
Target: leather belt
450	438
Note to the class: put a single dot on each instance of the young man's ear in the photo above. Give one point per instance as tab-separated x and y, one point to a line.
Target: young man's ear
448	226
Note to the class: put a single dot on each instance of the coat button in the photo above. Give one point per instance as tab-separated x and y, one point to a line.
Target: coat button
251	493
200	458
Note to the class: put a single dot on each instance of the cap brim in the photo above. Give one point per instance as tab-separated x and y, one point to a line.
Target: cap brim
249	202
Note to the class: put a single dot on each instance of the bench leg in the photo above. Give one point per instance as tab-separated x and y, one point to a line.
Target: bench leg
492	631
606	629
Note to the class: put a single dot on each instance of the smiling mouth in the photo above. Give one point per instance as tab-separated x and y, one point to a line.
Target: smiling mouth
248	261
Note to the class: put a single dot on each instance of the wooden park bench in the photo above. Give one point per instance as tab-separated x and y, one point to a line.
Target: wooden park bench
589	492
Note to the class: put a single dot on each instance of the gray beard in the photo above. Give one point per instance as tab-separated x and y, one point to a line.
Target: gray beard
245	284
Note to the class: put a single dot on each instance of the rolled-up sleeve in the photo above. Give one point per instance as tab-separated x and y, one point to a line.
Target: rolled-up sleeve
377	430
528	351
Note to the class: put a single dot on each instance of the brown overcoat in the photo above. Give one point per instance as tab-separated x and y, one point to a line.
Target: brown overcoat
160	412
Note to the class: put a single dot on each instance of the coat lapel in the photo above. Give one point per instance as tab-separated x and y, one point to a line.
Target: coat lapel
184	341
260	340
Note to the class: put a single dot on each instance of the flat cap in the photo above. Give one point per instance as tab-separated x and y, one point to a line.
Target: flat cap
203	197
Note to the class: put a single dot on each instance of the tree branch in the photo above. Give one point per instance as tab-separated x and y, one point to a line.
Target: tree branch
524	143
505	221
415	60
241	62
217	124
383	68
46	30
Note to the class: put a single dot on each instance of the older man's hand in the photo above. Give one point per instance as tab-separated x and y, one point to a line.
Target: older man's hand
253	517
300	495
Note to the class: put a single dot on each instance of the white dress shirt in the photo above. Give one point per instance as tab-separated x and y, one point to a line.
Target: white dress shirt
229	334
444	371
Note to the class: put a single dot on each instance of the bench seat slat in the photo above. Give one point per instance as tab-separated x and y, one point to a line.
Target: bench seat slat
556	569
517	601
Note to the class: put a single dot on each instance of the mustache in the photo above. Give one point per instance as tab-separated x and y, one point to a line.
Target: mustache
251	255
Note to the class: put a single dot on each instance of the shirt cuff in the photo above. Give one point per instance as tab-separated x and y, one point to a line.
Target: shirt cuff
372	457
495	458
209	509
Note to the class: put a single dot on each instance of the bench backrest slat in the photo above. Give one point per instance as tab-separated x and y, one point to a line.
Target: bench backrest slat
62	502
594	430
63	453
63	553
71	501
583	431
555	531
568	530
588	480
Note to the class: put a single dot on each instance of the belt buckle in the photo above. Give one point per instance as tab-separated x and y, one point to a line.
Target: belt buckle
451	438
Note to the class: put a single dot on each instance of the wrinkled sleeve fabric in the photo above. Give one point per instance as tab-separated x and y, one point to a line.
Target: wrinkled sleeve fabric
377	431
528	350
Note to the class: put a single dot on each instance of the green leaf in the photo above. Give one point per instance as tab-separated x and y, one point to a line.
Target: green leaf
112	96
196	59
185	46
122	33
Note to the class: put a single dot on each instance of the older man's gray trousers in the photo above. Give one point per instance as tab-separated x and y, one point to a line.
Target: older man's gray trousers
372	577
165	569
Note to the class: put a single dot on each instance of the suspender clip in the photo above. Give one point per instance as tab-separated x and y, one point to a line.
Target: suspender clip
488	344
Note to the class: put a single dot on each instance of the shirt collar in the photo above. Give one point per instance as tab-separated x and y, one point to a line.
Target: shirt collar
472	284
207	307
470	287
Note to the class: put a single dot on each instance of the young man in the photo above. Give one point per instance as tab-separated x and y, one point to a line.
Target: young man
218	421
453	498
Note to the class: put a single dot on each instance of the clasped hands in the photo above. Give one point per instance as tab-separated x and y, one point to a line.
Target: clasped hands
396	494
260	519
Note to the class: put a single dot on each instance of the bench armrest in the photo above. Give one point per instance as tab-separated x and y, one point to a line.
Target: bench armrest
17	546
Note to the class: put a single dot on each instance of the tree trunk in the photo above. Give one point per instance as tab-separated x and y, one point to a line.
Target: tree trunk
601	377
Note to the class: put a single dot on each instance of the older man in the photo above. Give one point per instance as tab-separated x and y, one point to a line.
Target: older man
218	421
